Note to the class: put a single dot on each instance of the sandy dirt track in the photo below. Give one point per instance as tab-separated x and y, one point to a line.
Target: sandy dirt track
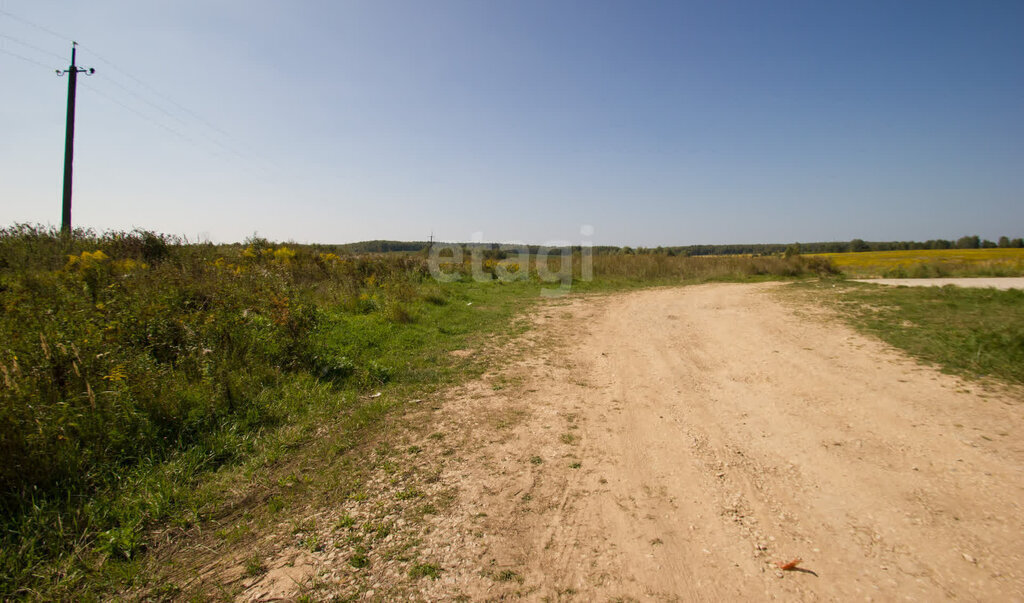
1004	282
673	444
719	429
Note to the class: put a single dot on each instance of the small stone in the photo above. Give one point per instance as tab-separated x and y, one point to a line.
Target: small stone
969	559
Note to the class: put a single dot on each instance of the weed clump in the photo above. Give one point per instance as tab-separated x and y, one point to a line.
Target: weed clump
425	570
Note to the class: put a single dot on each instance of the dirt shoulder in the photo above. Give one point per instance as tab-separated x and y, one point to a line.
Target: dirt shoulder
1004	282
673	444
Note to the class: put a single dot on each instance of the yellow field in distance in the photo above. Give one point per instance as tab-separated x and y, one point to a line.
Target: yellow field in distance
930	262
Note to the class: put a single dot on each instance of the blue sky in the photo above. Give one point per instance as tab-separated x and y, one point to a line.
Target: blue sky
655	123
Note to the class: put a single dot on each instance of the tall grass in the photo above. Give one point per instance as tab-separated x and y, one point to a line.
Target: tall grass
123	350
655	267
618	269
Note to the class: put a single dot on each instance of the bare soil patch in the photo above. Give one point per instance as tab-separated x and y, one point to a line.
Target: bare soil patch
1004	282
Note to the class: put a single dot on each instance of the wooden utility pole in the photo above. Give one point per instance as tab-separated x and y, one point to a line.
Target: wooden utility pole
69	139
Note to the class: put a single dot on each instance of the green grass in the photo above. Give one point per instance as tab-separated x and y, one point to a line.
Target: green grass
970	332
359	559
508	576
425	570
254	566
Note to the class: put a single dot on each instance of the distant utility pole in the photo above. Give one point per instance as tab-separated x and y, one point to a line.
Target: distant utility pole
69	138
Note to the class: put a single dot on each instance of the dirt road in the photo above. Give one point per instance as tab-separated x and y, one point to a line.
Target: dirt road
673	444
1003	282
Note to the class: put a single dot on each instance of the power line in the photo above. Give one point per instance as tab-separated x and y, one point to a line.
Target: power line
128	91
27	45
109	98
141	114
157	123
161	125
201	131
34	25
25	58
229	145
229	148
156	92
143	99
205	122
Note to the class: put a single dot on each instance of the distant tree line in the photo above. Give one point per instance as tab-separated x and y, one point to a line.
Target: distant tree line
965	242
495	250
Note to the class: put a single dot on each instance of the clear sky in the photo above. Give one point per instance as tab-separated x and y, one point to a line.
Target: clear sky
655	123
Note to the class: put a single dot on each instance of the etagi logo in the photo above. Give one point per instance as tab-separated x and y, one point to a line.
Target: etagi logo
552	262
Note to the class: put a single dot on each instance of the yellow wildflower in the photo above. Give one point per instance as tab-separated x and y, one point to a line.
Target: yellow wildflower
284	254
